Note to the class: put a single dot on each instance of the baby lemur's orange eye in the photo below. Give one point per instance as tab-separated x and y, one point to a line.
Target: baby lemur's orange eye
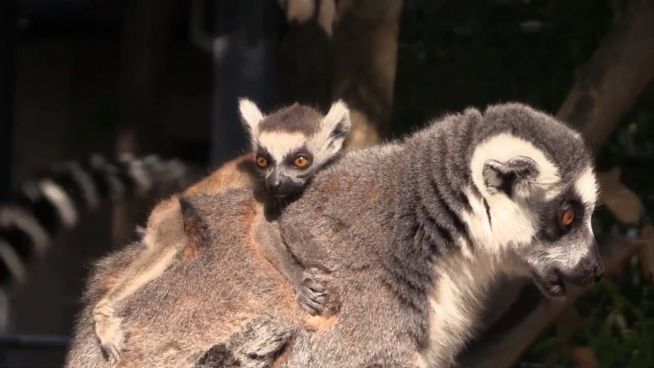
301	162
567	217
262	162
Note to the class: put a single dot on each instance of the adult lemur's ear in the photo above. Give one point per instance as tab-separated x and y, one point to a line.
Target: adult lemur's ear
509	176
336	124
250	115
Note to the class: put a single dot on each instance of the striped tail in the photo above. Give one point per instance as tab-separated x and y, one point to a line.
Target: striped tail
55	199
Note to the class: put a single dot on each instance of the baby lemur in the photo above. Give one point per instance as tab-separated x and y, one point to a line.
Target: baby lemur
288	147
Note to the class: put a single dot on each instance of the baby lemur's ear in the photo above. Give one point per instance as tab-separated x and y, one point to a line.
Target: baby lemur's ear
250	115
336	124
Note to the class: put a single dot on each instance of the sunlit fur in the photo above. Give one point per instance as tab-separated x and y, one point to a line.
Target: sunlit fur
293	129
251	115
411	233
279	133
442	230
587	185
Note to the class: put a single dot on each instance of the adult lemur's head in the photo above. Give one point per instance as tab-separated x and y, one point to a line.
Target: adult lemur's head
291	144
539	191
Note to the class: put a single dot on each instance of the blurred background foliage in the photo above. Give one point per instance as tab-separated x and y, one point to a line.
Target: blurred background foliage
454	54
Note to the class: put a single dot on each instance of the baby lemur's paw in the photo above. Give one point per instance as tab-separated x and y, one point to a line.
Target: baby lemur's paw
313	293
108	329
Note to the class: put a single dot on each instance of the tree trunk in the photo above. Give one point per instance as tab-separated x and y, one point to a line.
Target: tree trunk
305	54
365	58
343	49
244	50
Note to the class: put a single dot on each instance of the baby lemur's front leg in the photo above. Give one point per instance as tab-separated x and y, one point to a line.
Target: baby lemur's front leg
309	284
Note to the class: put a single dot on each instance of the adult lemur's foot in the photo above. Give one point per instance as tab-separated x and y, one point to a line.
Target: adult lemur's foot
255	345
108	329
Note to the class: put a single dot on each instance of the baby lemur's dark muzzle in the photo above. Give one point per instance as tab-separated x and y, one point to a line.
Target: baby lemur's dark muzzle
282	186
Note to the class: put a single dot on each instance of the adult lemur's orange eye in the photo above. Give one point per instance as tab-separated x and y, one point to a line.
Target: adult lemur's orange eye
262	162
301	162
567	217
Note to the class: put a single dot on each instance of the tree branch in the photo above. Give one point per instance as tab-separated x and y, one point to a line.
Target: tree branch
614	77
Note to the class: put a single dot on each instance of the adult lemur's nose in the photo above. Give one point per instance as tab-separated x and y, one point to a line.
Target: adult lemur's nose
599	272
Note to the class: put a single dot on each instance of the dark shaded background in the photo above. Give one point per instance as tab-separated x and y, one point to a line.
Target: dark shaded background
85	76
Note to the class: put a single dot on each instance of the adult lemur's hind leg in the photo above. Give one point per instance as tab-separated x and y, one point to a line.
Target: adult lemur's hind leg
255	345
163	240
219	355
108	325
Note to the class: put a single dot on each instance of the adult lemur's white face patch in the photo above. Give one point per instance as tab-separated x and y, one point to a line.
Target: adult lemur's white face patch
508	171
586	186
293	143
504	149
527	208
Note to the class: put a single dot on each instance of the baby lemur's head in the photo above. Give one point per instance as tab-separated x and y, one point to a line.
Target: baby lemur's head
291	144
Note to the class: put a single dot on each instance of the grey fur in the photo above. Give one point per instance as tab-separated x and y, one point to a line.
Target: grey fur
391	219
185	315
254	346
410	233
294	118
292	132
165	239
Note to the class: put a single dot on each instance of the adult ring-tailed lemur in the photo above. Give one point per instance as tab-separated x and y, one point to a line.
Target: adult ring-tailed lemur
411	233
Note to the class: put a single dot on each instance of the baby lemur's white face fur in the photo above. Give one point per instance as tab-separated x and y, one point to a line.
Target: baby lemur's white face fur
290	145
